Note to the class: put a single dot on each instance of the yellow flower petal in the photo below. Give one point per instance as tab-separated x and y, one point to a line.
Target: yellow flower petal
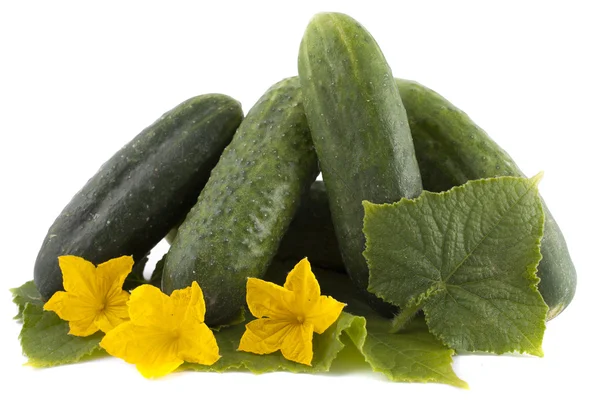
112	274
266	299
114	313
153	351
297	344
71	307
83	327
303	283
117	305
264	336
197	344
79	313
190	301
106	322
324	313
79	276
148	306
56	303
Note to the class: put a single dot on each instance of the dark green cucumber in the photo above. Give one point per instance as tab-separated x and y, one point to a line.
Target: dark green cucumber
235	228
143	190
452	149
359	128
311	226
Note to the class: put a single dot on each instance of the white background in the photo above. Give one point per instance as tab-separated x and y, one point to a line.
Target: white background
79	81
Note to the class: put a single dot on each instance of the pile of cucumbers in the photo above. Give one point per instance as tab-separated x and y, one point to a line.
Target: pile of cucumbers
242	191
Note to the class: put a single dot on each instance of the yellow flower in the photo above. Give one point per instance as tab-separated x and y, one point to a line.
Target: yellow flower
93	298
291	314
164	331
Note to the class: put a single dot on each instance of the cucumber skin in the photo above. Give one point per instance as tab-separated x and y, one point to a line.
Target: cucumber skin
244	210
311	225
452	149
130	204
310	235
359	128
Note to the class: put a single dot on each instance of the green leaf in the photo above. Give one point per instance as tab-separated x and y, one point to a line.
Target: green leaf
468	258
46	342
26	293
326	346
414	356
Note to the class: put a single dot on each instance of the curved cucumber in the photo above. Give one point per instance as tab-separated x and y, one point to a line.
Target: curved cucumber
452	149
143	190
235	228
359	128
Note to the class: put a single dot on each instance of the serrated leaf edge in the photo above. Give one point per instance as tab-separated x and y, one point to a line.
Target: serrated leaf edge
38	363
21	307
531	276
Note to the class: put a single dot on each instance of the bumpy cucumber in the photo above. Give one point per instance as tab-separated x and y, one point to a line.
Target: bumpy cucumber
452	149
235	228
359	128
310	235
143	190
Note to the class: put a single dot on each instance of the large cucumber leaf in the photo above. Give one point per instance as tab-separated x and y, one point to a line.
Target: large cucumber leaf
468	258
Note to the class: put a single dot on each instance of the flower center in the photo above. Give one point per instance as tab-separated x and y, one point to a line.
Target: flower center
175	335
300	319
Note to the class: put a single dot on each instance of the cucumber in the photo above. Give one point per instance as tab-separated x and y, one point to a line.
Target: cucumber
235	228
311	234
452	149
311	226
359	129
129	205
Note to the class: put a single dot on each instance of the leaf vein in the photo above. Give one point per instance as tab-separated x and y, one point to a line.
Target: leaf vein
494	227
506	317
